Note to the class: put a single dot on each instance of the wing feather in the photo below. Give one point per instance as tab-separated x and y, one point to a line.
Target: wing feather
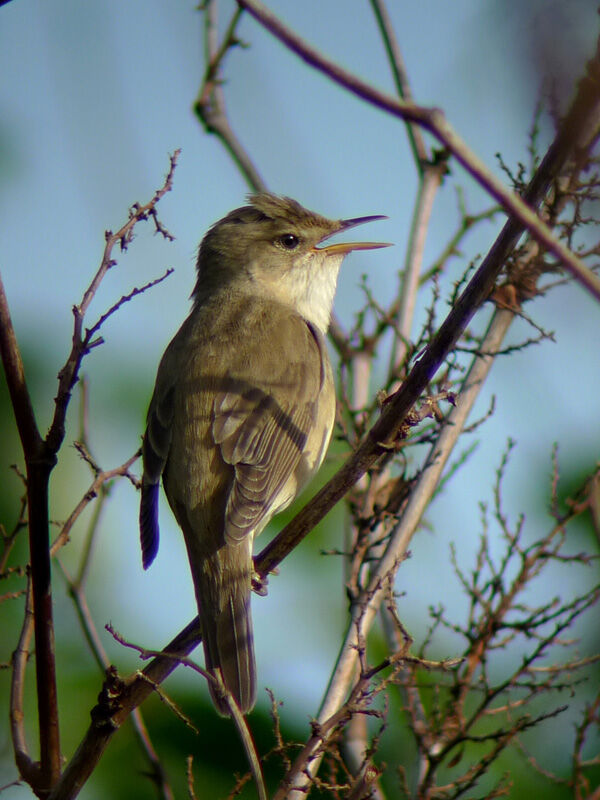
262	432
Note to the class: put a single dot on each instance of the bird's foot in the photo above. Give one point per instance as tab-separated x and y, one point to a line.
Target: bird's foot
260	584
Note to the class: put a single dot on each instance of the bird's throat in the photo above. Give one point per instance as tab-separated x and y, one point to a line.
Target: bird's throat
312	289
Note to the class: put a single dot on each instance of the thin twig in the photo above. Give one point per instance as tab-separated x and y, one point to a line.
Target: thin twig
28	769
124	299
210	104
70	372
421	154
101	478
430	182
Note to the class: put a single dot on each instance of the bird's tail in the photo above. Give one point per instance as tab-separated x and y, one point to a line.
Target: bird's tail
223	590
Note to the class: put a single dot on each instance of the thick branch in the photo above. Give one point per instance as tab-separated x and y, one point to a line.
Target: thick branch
39	464
15	379
110	714
366	607
38	475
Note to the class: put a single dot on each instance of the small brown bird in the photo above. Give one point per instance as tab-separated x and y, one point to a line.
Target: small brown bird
243	409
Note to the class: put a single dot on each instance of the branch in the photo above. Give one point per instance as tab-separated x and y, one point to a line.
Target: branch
577	131
210	103
430	183
380	440
28	769
99	481
15	379
394	54
39	464
124	299
109	715
116	702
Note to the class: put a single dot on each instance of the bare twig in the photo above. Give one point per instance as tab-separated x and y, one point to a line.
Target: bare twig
9	538
69	374
430	183
29	770
210	103
90	332
466	223
394	54
190	777
101	478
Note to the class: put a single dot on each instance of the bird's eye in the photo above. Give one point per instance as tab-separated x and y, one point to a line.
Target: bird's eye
289	240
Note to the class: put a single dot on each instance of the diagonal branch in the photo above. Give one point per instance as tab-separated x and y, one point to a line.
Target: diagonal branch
116	703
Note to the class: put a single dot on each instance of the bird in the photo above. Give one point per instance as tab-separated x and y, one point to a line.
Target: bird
242	411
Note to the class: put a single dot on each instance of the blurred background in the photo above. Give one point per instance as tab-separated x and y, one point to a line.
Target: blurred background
93	99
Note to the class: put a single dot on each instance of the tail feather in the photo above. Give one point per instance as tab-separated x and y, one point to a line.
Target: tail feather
149	534
229	648
222	580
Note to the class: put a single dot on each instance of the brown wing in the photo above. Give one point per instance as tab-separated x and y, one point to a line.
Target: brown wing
266	422
265	428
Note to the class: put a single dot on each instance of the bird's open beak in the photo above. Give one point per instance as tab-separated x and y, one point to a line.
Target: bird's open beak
347	247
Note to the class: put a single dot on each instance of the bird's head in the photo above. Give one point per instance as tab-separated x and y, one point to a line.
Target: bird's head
273	248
